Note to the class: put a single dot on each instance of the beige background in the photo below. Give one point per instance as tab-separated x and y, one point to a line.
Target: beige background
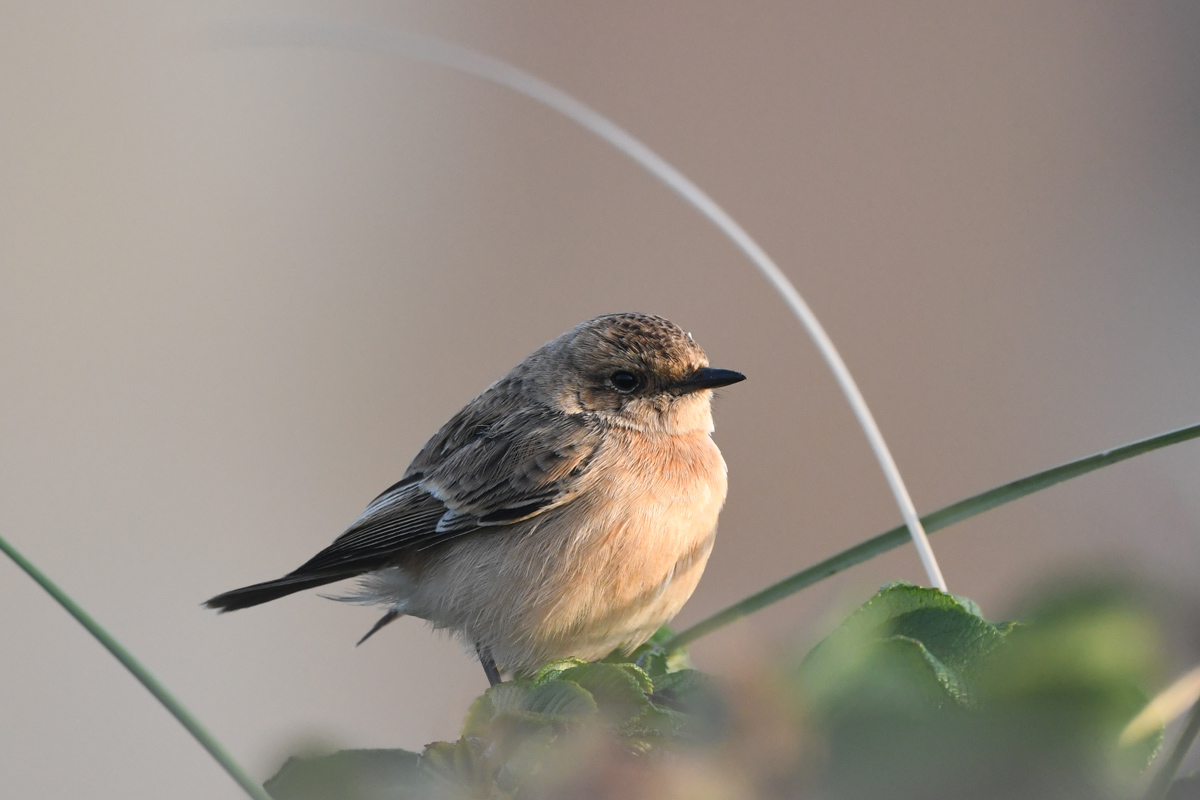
239	287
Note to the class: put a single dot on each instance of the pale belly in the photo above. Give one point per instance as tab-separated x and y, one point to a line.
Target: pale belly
600	573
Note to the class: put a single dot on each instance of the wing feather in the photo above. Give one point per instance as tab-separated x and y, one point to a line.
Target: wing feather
487	468
516	467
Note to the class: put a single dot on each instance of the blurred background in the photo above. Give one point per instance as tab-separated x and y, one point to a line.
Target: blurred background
241	285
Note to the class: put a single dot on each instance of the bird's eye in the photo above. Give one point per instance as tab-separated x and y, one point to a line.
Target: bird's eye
625	382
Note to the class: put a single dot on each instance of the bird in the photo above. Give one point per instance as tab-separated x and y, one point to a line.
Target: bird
568	511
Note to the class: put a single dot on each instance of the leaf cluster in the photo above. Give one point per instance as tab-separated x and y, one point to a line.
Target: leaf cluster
915	694
523	738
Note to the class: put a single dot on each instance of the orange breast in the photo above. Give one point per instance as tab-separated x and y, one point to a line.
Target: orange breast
643	538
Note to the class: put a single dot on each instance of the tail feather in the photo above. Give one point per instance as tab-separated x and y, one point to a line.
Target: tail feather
266	591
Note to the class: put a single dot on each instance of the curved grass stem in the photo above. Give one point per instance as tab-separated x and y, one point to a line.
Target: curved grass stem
942	518
465	60
143	676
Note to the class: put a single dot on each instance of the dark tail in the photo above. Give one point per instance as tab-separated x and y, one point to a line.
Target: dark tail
272	590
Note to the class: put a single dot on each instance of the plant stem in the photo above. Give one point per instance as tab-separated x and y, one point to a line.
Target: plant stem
943	518
1161	784
160	692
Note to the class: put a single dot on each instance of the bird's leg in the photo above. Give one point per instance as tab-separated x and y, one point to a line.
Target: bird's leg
489	665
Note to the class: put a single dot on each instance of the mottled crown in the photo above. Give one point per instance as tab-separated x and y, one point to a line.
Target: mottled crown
665	349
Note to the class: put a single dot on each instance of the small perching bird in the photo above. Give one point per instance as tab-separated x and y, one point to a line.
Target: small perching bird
568	511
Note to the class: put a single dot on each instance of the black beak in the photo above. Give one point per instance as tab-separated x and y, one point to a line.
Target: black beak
708	378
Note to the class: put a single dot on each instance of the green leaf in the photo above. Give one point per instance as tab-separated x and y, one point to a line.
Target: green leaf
560	701
530	704
619	689
554	670
956	644
502	698
349	775
905	674
902	632
652	657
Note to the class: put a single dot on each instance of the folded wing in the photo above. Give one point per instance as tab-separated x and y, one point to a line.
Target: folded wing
480	472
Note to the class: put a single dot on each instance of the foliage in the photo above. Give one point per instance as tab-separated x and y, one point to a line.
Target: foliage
919	696
916	694
527	733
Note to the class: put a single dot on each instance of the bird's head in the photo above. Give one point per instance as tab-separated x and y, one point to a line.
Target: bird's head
633	370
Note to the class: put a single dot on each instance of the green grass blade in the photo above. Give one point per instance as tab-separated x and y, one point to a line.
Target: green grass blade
942	518
160	692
